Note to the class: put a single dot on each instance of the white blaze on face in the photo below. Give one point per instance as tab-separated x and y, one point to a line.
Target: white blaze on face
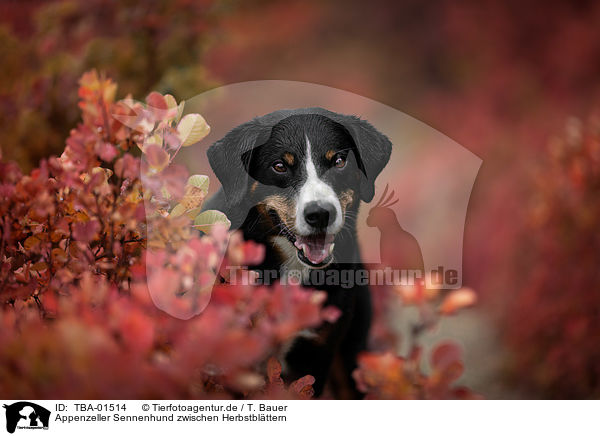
315	189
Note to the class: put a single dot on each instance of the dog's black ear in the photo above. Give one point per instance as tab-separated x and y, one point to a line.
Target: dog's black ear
229	157
373	151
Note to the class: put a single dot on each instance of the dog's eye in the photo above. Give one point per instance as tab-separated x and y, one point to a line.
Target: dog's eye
279	167
339	161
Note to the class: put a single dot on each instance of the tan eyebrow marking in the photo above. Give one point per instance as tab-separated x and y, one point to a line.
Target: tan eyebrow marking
329	155
288	158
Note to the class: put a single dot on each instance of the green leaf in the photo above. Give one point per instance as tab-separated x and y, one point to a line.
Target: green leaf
178	210
207	219
201	182
193	213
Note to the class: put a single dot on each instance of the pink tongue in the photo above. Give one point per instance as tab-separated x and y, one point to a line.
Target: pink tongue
315	247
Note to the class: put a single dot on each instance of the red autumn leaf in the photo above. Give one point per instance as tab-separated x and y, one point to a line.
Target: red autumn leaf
75	238
174	179
445	354
446	361
253	253
156	156
107	152
156	101
127	167
86	231
303	387
136	328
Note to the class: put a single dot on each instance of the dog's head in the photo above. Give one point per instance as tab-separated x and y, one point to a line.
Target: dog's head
304	171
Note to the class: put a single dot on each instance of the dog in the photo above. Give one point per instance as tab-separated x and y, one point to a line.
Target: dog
293	180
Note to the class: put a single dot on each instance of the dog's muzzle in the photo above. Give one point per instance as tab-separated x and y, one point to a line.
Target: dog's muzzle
315	248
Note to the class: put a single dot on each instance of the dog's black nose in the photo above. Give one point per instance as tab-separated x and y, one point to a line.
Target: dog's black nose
319	215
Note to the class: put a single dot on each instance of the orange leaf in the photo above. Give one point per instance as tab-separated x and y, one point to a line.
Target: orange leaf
457	300
273	370
445	355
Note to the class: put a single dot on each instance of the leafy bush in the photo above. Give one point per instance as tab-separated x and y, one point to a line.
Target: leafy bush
143	45
552	328
98	247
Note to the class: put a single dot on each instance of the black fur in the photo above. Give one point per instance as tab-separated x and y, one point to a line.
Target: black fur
241	161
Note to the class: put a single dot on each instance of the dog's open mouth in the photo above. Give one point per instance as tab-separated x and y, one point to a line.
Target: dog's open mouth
313	250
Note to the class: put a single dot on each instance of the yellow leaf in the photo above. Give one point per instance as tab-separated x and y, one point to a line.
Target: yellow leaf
175	110
171	102
207	219
193	197
179	111
154	139
110	90
192	128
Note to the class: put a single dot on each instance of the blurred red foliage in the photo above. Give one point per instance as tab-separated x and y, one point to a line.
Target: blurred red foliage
495	76
551	319
47	46
387	377
94	240
78	319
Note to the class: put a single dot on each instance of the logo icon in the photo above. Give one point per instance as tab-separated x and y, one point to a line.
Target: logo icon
26	415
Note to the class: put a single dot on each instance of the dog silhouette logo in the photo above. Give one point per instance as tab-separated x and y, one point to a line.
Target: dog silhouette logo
26	415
